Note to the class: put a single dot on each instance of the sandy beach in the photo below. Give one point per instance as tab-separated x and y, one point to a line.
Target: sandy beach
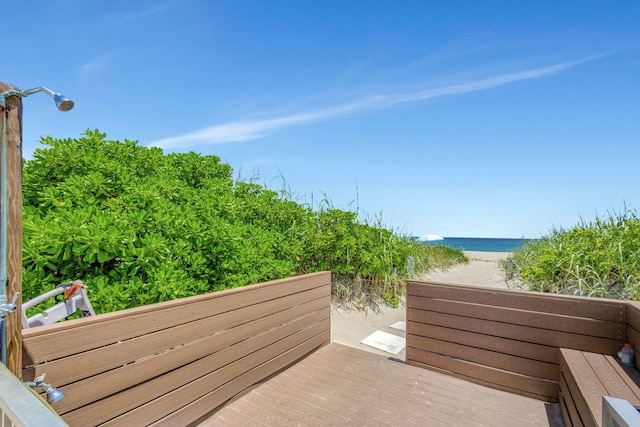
351	327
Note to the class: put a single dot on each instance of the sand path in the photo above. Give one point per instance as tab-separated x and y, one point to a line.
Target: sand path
351	327
483	269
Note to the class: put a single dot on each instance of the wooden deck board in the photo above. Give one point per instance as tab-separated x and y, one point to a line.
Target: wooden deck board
339	385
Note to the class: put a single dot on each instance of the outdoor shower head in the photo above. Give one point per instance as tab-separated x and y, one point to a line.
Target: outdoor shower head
62	102
53	394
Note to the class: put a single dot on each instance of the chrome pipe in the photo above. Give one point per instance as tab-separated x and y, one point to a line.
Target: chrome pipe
62	102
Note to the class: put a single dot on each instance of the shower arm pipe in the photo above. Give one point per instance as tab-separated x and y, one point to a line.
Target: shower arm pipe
38	89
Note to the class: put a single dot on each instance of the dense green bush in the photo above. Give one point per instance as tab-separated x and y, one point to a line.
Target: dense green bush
601	258
140	226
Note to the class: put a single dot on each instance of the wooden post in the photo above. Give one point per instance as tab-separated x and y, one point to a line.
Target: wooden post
12	115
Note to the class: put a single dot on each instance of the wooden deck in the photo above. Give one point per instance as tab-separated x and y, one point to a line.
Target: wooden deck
339	385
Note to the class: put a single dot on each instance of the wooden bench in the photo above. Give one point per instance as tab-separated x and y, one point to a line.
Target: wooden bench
585	378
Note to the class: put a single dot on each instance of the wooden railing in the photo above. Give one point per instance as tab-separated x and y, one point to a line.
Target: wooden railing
509	339
175	362
633	328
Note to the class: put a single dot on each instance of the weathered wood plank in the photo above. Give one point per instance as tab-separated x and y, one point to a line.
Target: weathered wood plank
11	115
521	333
255	367
231	361
489	384
42	344
633	328
585	387
628	374
469	330
529	350
570	413
507	362
538	386
94	362
211	351
594	308
614	384
633	337
360	388
524	317
633	314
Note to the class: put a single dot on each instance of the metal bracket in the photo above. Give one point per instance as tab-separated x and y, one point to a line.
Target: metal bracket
9	308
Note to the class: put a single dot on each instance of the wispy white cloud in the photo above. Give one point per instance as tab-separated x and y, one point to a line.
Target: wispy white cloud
244	130
96	64
142	13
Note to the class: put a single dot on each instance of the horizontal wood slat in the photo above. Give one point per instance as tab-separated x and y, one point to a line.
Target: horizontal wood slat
488	374
543	353
494	359
528	334
155	399
212	353
591	308
508	338
501	380
541	320
94	362
42	343
137	366
275	363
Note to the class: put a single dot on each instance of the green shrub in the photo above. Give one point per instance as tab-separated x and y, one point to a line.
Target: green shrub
139	226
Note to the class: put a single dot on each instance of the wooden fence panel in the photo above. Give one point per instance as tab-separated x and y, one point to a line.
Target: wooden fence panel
44	342
137	366
633	328
507	339
566	305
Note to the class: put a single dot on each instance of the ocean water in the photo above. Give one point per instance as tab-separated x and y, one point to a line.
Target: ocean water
480	244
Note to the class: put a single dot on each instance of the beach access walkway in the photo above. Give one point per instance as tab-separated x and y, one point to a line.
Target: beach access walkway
264	355
339	385
348	382
350	327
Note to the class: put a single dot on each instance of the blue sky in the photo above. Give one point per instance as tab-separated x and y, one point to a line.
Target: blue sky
461	118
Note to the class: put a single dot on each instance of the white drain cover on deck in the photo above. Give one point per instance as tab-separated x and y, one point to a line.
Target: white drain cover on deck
384	341
401	326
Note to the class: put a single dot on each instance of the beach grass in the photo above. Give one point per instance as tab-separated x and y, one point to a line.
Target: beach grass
599	258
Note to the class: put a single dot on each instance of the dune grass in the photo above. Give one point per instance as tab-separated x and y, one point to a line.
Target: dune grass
599	258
